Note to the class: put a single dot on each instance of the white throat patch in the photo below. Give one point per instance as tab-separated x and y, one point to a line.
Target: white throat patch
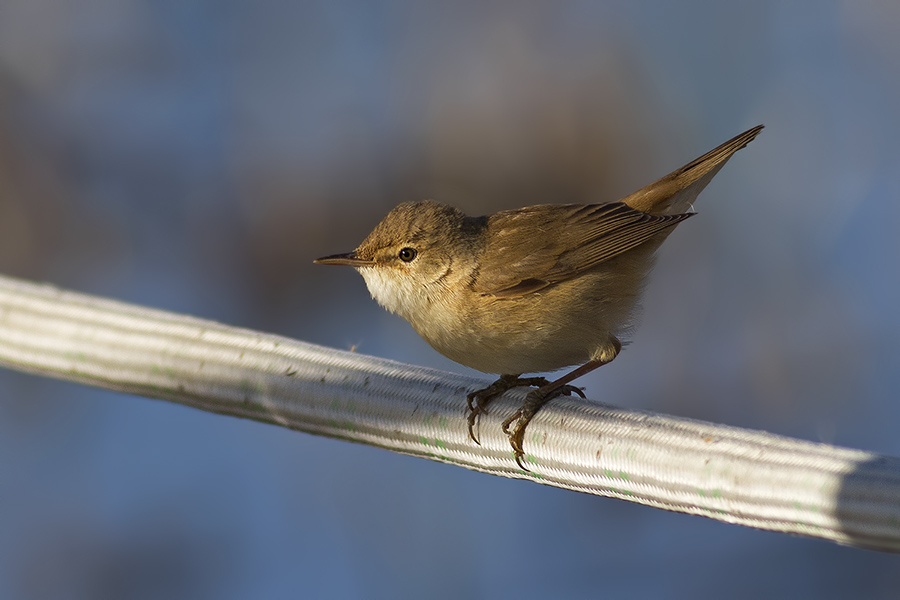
390	292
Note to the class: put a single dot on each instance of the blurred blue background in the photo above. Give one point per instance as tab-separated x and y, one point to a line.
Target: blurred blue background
196	156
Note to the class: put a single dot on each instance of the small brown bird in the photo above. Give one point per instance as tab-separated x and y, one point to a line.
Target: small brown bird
533	289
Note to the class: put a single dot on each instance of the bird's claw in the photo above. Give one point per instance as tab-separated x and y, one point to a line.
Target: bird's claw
522	417
517	435
476	407
568	390
478	400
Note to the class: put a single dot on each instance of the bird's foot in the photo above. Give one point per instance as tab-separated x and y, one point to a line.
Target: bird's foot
533	403
478	401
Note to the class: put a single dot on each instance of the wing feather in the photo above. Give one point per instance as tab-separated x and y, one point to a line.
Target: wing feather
523	256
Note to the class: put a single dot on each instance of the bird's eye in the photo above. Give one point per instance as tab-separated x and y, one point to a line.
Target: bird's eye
407	254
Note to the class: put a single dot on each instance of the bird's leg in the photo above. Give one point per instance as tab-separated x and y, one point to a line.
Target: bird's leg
539	397
478	400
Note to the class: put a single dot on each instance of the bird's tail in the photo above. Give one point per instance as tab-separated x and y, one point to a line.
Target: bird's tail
676	192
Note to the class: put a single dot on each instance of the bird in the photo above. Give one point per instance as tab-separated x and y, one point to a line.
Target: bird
529	290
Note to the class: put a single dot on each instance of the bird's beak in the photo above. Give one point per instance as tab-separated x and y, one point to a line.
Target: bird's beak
350	260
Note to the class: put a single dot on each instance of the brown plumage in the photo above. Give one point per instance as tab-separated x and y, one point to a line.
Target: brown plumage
519	258
527	290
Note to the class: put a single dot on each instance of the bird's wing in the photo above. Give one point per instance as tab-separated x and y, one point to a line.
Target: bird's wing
531	248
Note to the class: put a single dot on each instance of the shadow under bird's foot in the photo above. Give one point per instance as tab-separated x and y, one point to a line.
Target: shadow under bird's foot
522	417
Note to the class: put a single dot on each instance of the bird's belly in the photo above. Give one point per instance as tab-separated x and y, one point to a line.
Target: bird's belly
514	354
523	336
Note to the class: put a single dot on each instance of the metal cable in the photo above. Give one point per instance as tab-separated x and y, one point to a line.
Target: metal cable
726	473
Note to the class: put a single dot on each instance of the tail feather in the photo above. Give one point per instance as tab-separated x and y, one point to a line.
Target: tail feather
676	192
